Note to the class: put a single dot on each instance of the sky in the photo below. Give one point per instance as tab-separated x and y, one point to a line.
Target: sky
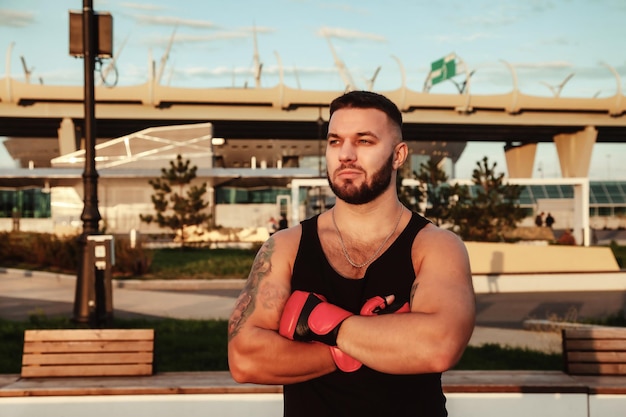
548	42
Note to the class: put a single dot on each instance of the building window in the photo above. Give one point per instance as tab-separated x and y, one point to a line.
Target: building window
32	203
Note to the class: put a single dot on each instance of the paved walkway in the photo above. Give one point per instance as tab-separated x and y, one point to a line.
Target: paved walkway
500	317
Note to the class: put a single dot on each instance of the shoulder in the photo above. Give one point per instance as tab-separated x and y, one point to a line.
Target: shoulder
283	245
441	264
273	264
435	242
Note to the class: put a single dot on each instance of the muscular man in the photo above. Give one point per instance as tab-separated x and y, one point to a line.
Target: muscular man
311	314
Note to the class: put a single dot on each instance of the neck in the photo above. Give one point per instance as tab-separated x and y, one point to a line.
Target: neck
382	208
360	240
366	218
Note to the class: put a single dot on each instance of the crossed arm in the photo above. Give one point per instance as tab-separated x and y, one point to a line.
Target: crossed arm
429	339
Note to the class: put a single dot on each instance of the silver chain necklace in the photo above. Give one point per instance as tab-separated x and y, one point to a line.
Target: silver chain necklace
371	259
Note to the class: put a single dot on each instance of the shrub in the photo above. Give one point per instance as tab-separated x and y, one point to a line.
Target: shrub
62	254
39	250
131	261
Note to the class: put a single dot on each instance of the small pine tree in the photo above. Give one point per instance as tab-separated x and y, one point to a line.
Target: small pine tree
494	210
408	196
436	192
177	203
434	196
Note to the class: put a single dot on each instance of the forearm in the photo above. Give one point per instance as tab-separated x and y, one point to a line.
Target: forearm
264	357
404	343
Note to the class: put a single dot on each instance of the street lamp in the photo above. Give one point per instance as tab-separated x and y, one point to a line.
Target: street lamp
93	44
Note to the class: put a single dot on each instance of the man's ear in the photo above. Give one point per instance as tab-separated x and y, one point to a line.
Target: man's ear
400	153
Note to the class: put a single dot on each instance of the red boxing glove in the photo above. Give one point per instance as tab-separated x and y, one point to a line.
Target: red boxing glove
344	362
372	307
376	306
308	317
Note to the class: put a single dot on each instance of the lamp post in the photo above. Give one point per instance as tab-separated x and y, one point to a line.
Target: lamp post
90	215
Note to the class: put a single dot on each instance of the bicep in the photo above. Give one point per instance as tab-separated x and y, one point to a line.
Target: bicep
443	283
262	299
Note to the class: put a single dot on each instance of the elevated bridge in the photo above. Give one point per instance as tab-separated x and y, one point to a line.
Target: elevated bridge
45	122
284	113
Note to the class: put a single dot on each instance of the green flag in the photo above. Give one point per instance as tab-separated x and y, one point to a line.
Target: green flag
443	69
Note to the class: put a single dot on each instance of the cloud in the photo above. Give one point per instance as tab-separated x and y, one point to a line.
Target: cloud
543	65
258	29
172	21
558	41
344	8
503	14
242	33
204	72
347	34
472	37
142	6
187	38
488	20
16	19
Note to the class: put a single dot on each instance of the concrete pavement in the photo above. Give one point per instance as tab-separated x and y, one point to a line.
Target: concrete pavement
500	316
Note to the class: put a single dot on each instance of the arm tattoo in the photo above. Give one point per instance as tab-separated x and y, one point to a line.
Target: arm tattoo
247	299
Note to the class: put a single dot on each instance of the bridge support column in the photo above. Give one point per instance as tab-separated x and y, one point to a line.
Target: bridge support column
67	136
520	159
574	150
581	213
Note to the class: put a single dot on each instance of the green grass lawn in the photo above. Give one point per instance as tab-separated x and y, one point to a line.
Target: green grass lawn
180	345
200	263
201	345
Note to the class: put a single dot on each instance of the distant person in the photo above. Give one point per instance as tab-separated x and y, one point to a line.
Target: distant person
282	223
567	238
272	226
549	220
539	219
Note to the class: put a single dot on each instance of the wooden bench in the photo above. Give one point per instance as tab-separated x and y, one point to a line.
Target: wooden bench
88	352
595	351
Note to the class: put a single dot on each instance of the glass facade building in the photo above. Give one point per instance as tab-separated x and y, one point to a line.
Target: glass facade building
32	203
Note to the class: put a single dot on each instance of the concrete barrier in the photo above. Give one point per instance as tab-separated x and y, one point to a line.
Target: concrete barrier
270	405
508	258
549	282
191	394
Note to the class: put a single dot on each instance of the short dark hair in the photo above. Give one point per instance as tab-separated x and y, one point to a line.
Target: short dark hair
367	100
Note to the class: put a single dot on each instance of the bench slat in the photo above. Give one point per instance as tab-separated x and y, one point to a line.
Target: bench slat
597	368
88	352
595	351
596	344
88	334
601	357
90	370
72	359
596	333
89	346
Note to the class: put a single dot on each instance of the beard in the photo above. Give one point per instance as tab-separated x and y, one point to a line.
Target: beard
366	192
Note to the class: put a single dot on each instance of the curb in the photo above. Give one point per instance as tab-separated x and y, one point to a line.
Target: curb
555	326
182	284
157	284
27	273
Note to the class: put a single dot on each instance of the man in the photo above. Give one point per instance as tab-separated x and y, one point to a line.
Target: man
282	223
539	219
312	314
272	226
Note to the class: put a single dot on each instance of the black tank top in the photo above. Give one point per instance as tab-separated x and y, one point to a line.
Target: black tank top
365	392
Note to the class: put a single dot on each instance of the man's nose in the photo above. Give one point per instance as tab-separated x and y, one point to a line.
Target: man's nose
347	152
